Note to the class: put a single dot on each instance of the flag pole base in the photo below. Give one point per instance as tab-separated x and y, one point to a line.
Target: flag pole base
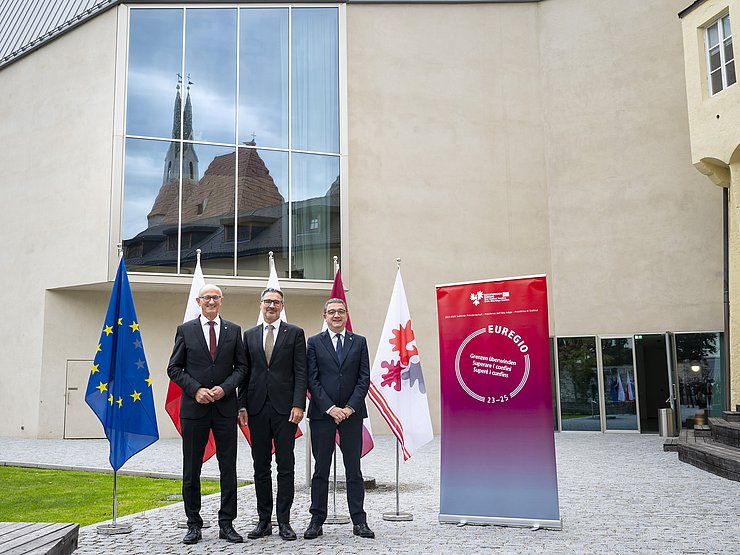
184	524
337	519
114	529
398	517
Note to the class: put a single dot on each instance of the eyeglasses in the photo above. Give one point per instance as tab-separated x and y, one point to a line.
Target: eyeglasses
268	302
206	298
334	311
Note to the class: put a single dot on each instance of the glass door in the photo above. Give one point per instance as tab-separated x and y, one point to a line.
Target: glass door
618	384
578	384
699	376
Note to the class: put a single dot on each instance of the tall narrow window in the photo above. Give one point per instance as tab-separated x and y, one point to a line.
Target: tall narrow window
720	57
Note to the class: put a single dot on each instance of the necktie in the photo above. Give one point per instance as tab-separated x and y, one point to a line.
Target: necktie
212	337
340	348
269	343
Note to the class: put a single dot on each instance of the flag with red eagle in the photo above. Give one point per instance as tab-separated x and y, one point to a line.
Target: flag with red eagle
396	380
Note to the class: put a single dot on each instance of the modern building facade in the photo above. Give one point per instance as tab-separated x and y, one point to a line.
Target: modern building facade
472	140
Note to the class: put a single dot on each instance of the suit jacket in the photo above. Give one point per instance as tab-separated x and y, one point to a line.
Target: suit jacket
332	383
191	367
284	379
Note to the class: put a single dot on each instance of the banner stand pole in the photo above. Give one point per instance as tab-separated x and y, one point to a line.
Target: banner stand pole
397	516
336	518
114	528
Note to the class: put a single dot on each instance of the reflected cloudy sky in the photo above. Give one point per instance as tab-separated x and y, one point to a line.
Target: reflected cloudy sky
212	49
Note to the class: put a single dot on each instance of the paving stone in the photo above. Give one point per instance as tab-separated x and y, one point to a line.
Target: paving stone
618	493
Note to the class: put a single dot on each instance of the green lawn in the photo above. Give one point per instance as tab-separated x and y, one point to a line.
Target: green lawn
39	495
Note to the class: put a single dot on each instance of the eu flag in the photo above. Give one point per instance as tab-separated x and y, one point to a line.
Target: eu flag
119	390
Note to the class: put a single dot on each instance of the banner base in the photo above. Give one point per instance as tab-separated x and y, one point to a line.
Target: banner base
535	524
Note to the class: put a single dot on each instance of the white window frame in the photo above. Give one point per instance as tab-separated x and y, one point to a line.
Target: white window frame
722	39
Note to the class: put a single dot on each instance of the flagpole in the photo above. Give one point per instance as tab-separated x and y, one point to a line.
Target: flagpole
398	516
114	528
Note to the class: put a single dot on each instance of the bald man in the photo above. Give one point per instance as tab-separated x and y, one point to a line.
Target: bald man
209	362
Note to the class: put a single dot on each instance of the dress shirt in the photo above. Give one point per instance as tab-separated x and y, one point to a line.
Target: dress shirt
275	327
333	336
207	329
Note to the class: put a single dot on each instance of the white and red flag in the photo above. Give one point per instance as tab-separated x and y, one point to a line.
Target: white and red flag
630	391
620	387
337	292
396	379
172	401
272	283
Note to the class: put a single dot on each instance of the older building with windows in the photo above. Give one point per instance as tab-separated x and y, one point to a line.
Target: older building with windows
472	140
714	119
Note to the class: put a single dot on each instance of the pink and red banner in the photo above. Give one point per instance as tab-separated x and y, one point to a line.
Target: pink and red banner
497	434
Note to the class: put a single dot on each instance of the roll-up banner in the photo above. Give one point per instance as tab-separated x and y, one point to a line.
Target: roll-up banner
497	436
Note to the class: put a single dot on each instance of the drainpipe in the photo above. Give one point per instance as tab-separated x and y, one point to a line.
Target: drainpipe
726	273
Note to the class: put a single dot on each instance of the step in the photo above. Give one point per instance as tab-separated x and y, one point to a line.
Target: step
725	432
716	458
702	430
731	416
671	444
38	537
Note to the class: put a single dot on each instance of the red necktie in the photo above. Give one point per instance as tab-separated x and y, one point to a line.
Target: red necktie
212	345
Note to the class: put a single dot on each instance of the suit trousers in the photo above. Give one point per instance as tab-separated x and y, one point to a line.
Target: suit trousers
323	433
194	439
265	427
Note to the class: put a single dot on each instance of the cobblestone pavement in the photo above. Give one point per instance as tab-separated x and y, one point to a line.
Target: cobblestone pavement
619	493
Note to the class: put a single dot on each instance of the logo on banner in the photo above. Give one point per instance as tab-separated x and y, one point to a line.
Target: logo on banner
493	364
498	297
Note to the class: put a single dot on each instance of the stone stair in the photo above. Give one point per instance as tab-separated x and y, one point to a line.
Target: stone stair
714	447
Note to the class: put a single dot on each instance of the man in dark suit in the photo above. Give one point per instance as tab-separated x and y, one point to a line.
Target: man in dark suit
338	379
208	362
272	402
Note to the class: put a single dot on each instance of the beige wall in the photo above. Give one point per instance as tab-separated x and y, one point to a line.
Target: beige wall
56	115
499	140
636	241
714	123
485	140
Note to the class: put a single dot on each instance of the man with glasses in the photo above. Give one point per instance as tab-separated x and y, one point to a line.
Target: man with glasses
272	402
338	379
208	362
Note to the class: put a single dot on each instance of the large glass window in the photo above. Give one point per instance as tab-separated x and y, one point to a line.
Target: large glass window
232	140
699	367
720	56
579	384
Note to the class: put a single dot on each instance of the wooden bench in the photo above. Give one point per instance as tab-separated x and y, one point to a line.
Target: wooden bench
52	538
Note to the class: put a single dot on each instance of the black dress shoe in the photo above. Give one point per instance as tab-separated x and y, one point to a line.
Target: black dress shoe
313	531
363	530
286	532
263	528
230	535
193	535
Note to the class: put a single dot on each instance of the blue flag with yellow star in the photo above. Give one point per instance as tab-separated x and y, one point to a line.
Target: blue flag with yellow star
119	390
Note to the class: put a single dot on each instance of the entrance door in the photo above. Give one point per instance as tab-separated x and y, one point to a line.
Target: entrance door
619	394
699	377
80	421
653	387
